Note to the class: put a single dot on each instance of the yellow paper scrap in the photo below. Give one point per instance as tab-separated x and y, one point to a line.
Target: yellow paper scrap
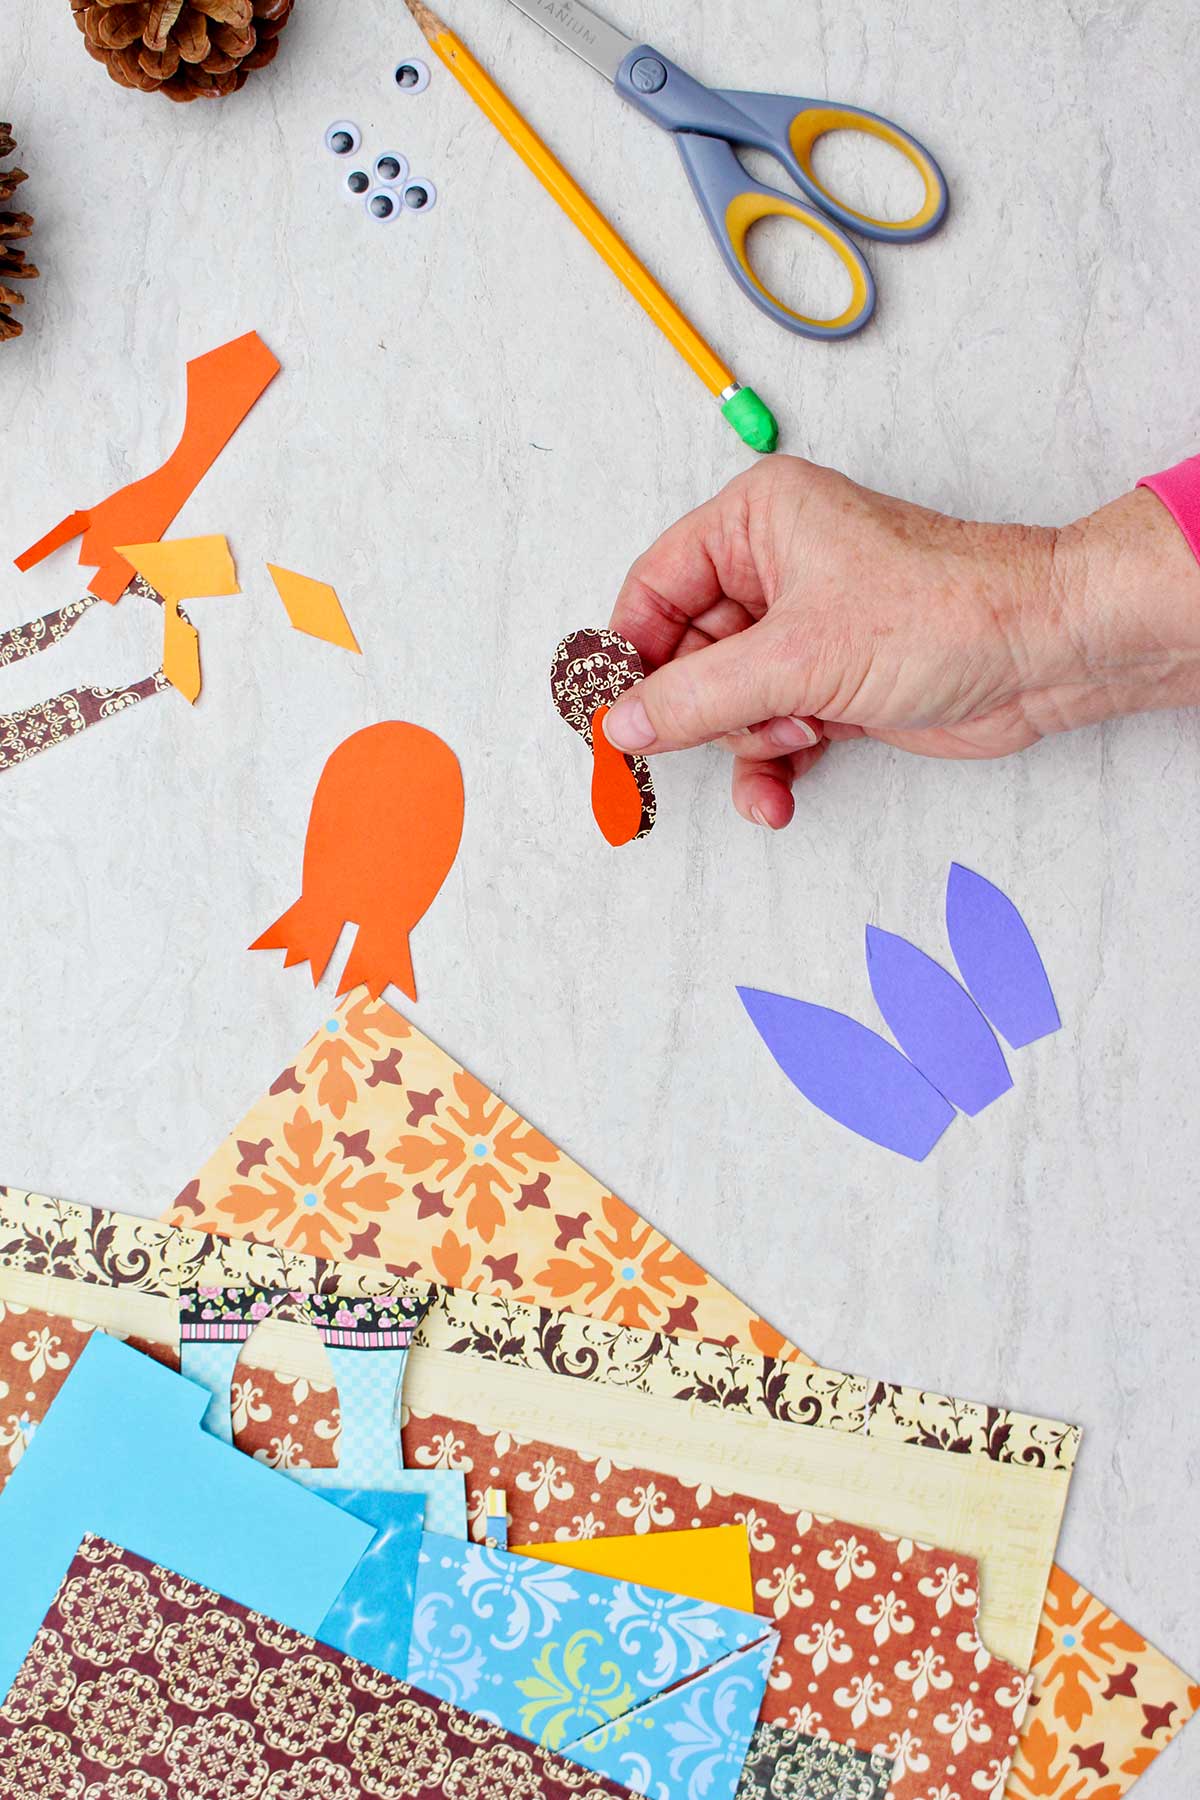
711	1563
184	568
181	651
313	607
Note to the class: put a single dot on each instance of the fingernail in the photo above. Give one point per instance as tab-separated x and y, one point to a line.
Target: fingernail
759	817
794	734
628	726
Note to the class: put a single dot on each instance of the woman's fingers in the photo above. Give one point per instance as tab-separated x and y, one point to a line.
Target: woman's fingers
732	684
701	564
762	791
774	737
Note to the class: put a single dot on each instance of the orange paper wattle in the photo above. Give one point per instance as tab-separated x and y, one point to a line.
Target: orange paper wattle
616	797
383	832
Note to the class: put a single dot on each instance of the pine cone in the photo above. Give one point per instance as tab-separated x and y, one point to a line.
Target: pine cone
13	226
185	49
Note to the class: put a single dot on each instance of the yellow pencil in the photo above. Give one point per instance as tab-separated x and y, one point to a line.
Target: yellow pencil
749	417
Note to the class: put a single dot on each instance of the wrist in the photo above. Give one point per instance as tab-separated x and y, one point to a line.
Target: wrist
1122	597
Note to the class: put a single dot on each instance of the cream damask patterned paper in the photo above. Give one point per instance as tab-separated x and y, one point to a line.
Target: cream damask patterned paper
134	1270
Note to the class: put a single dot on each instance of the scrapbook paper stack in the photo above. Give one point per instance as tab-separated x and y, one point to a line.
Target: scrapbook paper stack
403	1459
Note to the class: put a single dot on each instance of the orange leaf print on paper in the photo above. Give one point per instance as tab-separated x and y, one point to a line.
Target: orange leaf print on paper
315	1197
452	1260
478	1150
627	1260
1078	1644
1041	1775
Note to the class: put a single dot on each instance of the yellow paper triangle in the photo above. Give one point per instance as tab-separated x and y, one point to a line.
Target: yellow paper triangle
313	607
711	1563
184	568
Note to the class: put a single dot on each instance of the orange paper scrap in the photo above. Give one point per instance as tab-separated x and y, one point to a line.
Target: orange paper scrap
183	569
222	386
313	607
616	797
383	832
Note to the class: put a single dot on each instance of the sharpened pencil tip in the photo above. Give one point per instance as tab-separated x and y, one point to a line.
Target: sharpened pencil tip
428	20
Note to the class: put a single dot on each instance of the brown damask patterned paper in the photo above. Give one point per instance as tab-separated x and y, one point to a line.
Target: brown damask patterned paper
144	1686
593	668
28	730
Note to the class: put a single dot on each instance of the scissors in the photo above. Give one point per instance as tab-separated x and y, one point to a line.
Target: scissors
708	122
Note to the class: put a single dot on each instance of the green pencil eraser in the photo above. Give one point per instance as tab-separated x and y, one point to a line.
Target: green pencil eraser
753	421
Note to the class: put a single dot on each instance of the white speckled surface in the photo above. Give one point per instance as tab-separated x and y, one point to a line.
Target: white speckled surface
474	433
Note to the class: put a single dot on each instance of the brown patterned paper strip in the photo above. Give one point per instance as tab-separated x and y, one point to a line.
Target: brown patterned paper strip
143	1686
593	668
31	729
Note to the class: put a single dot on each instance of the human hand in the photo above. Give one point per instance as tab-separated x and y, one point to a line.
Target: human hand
796	609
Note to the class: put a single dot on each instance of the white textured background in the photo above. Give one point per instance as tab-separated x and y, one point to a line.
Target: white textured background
474	432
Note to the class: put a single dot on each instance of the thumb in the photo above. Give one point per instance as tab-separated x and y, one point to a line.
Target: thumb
736	682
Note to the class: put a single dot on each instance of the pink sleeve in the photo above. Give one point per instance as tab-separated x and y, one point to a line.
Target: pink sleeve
1179	491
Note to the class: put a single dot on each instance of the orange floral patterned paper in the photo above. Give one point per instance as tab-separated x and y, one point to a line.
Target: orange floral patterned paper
377	1145
1105	1703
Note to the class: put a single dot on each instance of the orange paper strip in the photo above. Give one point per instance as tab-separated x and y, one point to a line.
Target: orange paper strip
222	386
384	829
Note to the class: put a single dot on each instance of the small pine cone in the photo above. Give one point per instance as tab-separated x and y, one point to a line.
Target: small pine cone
14	228
185	49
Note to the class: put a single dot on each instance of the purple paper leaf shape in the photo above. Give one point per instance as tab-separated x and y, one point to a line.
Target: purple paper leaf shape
998	959
850	1073
936	1023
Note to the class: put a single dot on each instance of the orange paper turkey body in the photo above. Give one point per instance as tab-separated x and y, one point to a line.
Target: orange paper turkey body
383	832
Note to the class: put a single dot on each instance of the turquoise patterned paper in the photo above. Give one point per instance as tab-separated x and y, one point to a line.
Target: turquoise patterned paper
581	1664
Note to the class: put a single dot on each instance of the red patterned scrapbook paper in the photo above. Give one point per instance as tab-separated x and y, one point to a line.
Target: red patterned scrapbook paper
289	1423
878	1645
143	1686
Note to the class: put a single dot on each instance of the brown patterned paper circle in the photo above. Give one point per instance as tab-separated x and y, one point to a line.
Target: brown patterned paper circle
131	1786
302	1706
400	1750
316	1780
44	1683
500	1769
593	668
120	1718
40	1765
110	1615
207	1661
217	1759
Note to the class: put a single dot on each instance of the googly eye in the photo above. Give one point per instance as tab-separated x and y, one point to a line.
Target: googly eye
356	183
391	168
420	195
411	76
383	205
343	137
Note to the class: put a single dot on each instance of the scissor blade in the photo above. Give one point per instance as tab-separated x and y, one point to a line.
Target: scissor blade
600	44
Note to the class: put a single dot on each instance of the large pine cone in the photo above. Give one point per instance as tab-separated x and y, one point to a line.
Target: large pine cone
186	49
13	226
